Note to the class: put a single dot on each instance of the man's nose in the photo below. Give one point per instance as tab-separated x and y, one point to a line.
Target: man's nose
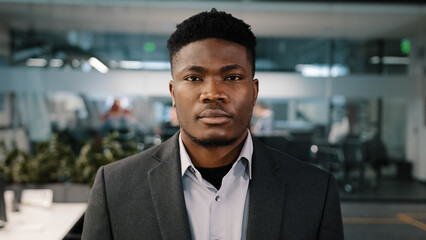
213	90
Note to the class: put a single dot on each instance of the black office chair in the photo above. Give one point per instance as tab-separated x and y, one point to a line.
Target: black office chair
3	217
341	159
76	231
327	155
354	162
376	155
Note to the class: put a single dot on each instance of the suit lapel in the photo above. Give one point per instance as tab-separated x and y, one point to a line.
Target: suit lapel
167	192
266	197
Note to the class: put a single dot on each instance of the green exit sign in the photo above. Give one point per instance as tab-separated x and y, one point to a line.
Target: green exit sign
405	46
149	47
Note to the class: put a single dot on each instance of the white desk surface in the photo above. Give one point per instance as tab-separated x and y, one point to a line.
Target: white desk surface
38	223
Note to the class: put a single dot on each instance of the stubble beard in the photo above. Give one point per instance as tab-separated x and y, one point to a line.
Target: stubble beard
214	142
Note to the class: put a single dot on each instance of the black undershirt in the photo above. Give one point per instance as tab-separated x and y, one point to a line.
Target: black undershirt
215	175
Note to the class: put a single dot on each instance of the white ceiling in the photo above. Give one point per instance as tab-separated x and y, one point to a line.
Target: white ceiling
363	21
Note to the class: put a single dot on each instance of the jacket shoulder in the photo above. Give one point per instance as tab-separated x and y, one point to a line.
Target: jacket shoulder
144	161
289	166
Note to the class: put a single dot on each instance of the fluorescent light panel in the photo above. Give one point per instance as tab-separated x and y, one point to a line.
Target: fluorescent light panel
56	62
321	70
36	62
131	64
137	65
98	65
390	60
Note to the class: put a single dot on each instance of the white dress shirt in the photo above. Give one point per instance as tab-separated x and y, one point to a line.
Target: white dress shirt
218	214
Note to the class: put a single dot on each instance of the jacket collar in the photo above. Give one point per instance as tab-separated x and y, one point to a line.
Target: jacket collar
167	192
246	152
265	201
266	196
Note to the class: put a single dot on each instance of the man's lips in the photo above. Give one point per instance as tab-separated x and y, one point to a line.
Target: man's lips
214	117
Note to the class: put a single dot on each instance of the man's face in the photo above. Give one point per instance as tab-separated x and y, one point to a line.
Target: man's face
213	91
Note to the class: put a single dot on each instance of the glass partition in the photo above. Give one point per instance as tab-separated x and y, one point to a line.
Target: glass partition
360	140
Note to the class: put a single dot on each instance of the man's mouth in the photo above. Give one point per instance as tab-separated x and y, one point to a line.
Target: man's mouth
214	117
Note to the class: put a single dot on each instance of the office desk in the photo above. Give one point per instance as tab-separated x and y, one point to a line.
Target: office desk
37	223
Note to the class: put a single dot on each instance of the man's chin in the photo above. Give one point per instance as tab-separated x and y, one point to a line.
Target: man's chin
211	141
219	142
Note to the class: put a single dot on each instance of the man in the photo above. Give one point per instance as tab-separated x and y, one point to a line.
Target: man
212	180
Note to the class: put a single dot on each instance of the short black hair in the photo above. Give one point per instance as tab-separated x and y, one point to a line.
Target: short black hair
213	24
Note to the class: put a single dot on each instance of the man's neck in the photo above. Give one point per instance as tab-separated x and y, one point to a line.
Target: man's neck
213	156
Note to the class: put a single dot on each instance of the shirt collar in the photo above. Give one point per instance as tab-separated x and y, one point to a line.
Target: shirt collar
246	152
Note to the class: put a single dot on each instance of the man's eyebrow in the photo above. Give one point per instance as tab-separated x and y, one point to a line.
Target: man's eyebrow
222	69
196	68
231	67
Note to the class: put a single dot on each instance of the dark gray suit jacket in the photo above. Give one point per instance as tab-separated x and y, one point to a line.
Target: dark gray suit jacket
141	197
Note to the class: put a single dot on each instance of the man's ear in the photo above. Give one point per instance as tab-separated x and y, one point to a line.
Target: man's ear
172	92
255	90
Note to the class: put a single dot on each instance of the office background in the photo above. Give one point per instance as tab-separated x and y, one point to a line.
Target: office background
63	65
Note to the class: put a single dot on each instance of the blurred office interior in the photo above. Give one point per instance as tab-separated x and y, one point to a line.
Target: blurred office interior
85	83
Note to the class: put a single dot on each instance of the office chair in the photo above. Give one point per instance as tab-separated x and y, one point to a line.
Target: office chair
3	217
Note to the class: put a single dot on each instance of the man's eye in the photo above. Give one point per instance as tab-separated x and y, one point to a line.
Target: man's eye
192	78
233	78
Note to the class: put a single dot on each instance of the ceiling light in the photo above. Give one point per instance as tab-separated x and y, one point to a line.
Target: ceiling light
98	65
390	60
156	65
322	70
36	62
375	60
396	60
75	63
148	65
131	64
56	62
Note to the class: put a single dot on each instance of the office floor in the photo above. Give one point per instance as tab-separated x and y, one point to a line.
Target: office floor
394	209
384	221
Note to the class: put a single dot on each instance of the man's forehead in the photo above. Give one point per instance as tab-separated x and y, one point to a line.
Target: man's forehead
177	56
205	39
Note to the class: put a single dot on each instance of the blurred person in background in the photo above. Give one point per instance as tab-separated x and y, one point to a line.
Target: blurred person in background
264	123
340	128
169	128
121	121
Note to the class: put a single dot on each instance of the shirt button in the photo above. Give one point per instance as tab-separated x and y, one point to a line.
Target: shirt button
217	198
